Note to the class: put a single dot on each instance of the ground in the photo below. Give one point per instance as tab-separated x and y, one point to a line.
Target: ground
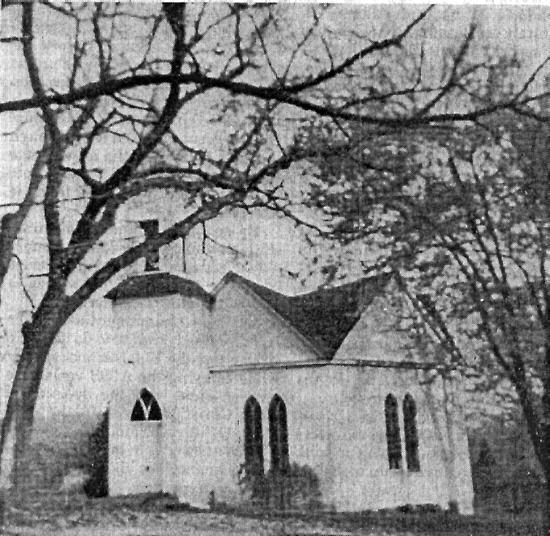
94	518
50	514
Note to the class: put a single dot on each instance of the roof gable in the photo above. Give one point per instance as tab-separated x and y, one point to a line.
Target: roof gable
324	317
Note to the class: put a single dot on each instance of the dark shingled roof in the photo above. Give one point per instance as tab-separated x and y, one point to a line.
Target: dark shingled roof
158	284
324	317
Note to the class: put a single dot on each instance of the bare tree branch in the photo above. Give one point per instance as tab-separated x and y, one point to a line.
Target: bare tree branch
12	222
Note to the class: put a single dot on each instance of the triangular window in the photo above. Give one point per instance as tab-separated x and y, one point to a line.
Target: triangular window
146	397
154	411
137	413
146	408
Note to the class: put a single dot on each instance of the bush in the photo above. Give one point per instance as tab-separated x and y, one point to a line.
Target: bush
253	486
422	509
58	444
98	459
298	489
303	487
485	470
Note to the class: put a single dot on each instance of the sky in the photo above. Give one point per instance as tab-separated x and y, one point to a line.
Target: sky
505	28
271	247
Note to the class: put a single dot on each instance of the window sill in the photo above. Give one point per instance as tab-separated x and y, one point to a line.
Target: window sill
146	422
403	471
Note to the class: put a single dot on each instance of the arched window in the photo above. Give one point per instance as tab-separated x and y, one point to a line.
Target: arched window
411	433
253	439
392	432
278	436
146	408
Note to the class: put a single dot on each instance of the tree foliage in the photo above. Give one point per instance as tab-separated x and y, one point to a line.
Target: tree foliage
461	219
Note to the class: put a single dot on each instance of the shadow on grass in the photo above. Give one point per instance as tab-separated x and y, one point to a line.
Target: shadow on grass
39	508
433	523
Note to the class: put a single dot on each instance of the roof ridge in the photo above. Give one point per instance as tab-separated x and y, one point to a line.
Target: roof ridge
320	289
327	290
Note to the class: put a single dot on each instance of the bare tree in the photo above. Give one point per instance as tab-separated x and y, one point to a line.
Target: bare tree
140	97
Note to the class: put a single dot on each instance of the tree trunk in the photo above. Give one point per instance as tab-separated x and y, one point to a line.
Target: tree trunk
545	429
546	469
12	439
546	505
545	458
38	337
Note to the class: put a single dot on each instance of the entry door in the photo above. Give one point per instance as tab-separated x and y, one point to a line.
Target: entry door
146	458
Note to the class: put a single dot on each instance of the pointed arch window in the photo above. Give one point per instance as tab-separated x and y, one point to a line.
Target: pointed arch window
392	432
146	408
278	436
411	433
253	439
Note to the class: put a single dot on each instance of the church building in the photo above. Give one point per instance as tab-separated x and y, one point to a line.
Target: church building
245	381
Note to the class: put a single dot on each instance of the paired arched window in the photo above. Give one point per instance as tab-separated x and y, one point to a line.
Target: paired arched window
411	433
146	408
253	439
278	436
393	436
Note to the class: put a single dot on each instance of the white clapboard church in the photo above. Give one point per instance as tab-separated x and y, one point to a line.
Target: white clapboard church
243	376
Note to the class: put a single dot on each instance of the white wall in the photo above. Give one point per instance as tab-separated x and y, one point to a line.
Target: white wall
163	343
447	475
374	336
245	330
365	480
305	395
335	413
337	427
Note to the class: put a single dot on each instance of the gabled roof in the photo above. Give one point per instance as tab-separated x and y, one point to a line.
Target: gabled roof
158	284
324	317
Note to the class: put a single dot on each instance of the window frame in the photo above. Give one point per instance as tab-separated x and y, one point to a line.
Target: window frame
253	438
147	409
278	436
410	429
393	433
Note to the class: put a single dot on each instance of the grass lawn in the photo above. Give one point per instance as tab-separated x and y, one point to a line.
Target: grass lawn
156	516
